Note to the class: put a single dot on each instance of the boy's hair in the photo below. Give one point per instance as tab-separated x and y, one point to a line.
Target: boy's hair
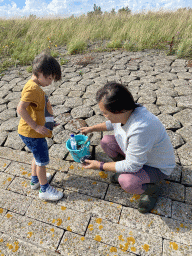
116	98
46	64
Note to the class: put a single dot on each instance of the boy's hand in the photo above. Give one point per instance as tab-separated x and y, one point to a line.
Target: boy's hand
91	164
85	130
42	130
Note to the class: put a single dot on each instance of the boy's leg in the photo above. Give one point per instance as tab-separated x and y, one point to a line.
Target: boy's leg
41	174
34	173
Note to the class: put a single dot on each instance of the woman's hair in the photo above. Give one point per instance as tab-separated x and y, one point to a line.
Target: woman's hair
116	98
46	64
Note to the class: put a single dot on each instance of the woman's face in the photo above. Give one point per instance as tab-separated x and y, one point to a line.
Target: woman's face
114	118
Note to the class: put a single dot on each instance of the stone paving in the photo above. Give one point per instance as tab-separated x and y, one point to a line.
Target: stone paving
96	217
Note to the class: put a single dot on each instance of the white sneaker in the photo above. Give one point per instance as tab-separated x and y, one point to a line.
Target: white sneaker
37	185
50	194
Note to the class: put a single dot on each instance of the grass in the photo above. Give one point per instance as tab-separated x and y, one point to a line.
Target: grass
22	39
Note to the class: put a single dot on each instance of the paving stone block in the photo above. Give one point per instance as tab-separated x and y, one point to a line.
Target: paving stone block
5	180
175	138
184	101
169	122
181	211
184	117
59	216
14	202
164	227
188	196
171	248
77	169
91	205
186	133
187	175
14	246
15	155
73	244
125	238
32	231
185	154
4	163
19	169
80	184
58	150
14	141
176	174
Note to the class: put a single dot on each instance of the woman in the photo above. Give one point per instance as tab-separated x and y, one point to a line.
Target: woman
140	145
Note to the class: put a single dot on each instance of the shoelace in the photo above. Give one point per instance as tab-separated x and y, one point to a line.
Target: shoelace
52	189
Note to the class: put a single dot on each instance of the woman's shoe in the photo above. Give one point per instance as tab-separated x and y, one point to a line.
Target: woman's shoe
149	198
114	178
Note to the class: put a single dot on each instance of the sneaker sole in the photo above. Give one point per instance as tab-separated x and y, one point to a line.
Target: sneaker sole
46	199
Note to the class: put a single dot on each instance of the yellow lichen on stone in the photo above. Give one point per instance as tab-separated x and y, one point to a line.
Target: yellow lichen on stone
29	174
146	247
131	240
89	199
133	249
90	227
23	173
97	238
30	234
4	165
41	242
53	221
71	167
16	246
9	179
121	238
134	198
1	210
94	183
52	229
59	222
103	175
150	223
99	220
10	246
68	218
173	245
1	240
100	227
113	249
9	215
69	229
30	223
82	238
63	208
181	225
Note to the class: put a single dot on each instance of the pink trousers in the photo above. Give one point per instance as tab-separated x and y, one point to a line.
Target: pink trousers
131	182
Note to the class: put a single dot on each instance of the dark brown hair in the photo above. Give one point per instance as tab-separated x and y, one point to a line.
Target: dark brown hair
46	64
116	98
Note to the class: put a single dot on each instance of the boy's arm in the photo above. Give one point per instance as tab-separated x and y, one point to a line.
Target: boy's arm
21	110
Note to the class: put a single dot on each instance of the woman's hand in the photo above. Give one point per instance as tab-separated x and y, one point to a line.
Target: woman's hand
91	164
85	130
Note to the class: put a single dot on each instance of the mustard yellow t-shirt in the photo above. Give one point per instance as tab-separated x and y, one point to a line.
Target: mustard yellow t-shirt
36	96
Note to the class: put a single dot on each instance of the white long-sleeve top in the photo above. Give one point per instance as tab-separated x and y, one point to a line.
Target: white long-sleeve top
144	141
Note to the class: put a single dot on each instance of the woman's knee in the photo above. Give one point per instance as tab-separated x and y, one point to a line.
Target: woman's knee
128	183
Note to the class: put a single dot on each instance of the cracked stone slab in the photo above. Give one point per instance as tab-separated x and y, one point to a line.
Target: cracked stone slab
171	248
169	122
10	125
14	202
59	216
91	205
14	246
186	133
185	154
80	184
73	244
175	138
184	117
32	231
14	141
127	239
163	227
184	101
5	180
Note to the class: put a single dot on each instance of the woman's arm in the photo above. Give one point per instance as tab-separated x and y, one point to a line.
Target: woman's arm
21	110
93	164
94	128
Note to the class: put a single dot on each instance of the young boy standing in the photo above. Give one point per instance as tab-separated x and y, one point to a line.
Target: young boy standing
32	126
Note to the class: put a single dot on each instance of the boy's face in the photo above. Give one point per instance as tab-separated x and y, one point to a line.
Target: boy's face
45	81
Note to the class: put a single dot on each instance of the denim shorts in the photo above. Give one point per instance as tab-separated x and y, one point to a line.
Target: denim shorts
39	148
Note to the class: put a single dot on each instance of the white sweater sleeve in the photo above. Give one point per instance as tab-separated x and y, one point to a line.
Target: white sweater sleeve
140	143
109	125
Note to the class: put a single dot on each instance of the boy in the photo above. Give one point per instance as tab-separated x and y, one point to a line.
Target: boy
32	126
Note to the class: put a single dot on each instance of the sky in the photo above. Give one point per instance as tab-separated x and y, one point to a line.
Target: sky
66	8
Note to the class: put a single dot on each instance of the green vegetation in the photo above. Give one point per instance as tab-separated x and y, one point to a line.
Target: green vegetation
22	39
